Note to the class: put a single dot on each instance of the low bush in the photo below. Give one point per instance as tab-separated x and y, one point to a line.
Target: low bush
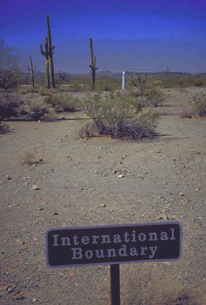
29	157
8	109
144	91
198	101
8	80
107	85
3	128
88	129
113	115
37	113
62	103
27	89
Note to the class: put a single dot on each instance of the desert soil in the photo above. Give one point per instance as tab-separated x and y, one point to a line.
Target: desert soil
163	180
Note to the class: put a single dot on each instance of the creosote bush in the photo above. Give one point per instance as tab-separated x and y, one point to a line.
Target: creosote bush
145	92
198	101
114	116
62	103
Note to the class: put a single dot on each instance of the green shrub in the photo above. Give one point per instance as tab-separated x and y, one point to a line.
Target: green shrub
62	103
144	91
112	114
107	85
198	101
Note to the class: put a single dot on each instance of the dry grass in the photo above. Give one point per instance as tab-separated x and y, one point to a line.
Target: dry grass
144	284
188	112
29	158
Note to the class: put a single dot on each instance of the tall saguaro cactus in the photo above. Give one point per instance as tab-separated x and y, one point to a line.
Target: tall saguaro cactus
48	54
31	71
93	63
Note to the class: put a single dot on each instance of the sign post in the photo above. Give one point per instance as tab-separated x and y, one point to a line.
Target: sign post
114	245
114	285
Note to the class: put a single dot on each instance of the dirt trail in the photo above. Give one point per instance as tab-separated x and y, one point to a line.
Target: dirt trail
164	179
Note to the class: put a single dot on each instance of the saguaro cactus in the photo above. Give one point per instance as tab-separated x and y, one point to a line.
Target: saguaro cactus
48	54
93	63
31	71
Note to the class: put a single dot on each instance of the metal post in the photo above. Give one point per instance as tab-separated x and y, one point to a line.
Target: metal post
123	80
114	285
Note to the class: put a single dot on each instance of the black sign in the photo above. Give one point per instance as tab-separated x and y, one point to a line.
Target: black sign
113	244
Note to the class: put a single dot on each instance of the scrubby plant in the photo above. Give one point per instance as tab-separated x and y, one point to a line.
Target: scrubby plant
113	115
8	80
3	128
62	102
146	92
8	108
88	129
42	91
27	89
198	101
29	157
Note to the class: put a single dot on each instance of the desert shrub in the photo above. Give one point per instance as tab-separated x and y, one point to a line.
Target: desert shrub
29	157
198	101
112	114
36	113
106	85
88	129
144	92
62	102
8	109
8	80
26	90
42	91
3	128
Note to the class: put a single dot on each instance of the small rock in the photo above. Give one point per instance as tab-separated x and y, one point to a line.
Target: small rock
55	213
10	290
19	242
162	216
7	177
40	208
35	188
121	176
181	194
34	300
103	205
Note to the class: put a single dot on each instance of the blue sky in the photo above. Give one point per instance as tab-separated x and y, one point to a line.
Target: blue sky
140	36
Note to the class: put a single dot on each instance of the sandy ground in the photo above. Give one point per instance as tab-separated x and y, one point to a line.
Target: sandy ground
163	179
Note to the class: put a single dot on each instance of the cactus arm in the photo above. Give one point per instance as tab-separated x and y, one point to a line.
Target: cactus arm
41	50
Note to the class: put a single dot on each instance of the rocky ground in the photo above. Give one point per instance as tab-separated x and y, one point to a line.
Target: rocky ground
102	181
